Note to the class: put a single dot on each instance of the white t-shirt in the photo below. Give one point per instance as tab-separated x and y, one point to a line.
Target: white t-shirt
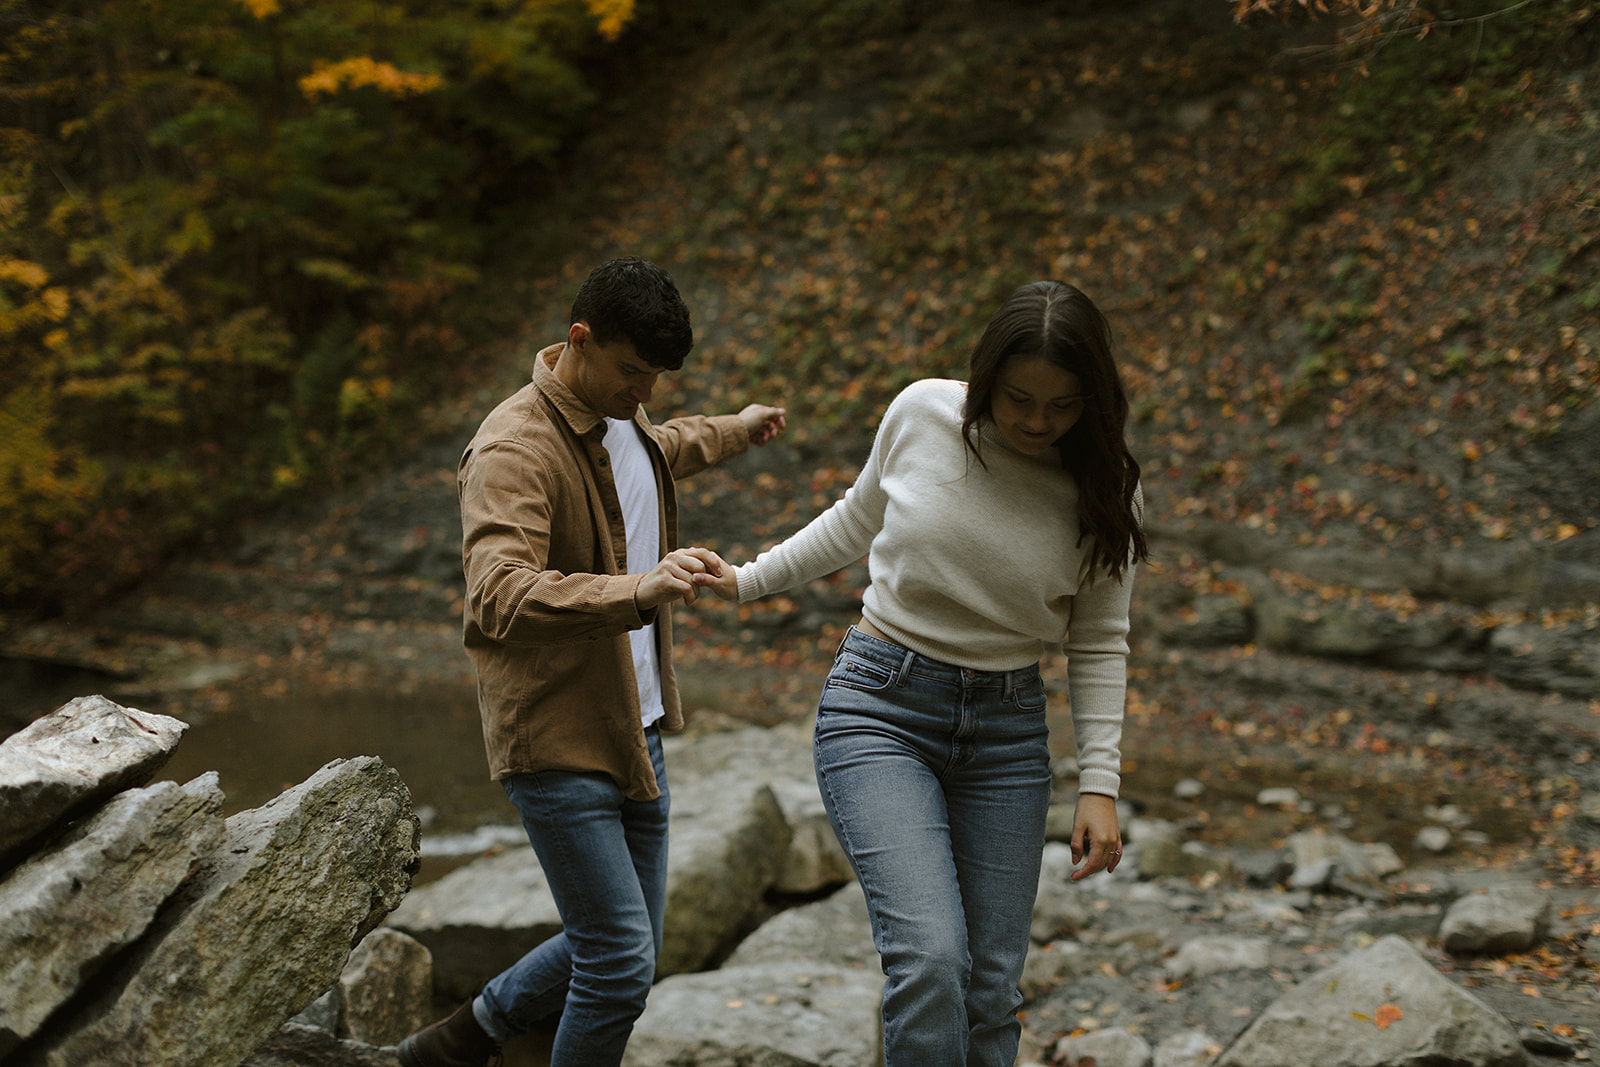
636	492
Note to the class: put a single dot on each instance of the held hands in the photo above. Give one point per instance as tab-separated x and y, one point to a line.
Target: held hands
679	576
719	578
764	423
1096	839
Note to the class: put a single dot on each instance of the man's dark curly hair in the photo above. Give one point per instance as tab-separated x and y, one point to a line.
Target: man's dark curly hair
637	300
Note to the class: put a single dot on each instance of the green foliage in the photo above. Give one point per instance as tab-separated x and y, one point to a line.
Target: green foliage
1426	90
236	238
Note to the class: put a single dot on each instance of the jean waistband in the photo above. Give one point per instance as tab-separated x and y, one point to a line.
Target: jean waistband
905	662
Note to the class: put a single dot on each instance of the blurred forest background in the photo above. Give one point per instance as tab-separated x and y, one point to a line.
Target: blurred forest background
251	250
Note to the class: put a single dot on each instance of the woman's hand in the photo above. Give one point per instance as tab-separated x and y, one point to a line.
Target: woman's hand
676	577
1096	838
718	575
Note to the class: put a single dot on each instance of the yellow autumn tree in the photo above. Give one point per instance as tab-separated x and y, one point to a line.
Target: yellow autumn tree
232	262
327	79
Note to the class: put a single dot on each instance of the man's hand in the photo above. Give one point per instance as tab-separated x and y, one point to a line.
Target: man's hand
764	423
673	579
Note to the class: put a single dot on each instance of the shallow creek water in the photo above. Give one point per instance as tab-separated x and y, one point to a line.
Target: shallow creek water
267	742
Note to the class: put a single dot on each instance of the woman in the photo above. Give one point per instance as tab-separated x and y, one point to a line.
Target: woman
997	515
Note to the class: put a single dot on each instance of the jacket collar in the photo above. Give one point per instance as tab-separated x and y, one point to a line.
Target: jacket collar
580	416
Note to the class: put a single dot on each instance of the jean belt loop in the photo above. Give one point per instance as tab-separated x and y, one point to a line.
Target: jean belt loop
1011	681
905	667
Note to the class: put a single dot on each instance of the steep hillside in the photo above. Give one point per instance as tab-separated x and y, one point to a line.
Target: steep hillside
1358	313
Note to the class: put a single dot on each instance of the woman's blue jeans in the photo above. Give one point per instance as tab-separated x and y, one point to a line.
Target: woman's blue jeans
605	859
937	781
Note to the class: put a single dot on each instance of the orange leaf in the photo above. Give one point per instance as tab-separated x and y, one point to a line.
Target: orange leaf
1386	1014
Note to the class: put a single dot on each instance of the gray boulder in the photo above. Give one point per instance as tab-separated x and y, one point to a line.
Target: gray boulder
765	1015
1381	1006
728	842
264	926
299	1045
1061	907
1186	1048
73	758
836	929
1104	1048
1208	955
386	989
1497	921
103	882
479	919
779	757
803	989
1558	659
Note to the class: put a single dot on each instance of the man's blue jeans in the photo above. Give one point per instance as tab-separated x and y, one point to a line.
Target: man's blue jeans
937	781
605	858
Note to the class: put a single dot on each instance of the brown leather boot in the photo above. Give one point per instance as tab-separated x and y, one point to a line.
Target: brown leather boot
455	1041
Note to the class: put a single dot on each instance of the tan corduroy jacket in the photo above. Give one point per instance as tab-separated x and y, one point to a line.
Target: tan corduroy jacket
549	605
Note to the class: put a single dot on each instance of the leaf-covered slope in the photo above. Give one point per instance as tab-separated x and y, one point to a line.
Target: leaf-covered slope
1355	310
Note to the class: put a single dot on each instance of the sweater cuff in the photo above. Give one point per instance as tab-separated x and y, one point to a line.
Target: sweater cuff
1092	780
748	587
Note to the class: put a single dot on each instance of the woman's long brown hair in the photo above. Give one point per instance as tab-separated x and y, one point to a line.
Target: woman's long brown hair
1056	321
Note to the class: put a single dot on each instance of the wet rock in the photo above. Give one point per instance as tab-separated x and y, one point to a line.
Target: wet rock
1433	839
1208	622
806	984
103	882
263	927
1273	909
1331	1019
1563	659
1287	622
1261	866
1407	920
1208	955
836	929
779	757
299	1045
386	989
1060	907
1496	921
815	860
480	919
1163	857
1543	1043
323	1013
800	1014
81	753
728	843
1104	1048
1190	1048
1059	961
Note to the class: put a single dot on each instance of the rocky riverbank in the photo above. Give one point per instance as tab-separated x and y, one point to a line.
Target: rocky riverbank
1264	717
1328	948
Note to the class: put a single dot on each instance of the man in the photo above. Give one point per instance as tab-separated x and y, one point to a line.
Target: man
570	549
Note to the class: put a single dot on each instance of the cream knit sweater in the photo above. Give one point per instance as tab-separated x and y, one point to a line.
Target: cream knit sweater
974	566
